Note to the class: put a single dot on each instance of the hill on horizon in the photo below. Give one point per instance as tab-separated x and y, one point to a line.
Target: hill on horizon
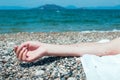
50	7
57	7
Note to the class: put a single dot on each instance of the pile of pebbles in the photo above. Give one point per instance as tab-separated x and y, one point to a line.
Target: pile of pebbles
48	67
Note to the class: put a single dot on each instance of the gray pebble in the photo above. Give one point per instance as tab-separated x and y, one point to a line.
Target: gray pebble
0	68
71	78
39	72
39	79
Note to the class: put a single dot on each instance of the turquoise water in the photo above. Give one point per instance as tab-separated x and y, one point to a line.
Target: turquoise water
58	21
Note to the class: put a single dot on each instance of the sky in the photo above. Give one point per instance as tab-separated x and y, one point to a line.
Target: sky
77	3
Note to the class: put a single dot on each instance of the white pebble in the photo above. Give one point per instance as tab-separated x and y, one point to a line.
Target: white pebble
11	44
39	72
71	78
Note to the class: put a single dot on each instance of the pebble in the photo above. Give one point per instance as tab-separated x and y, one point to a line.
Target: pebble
11	44
39	79
71	78
0	68
1	60
39	72
7	58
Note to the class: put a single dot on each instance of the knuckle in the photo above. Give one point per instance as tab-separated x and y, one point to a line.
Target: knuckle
24	48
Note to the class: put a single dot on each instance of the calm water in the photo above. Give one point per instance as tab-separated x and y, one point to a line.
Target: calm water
58	21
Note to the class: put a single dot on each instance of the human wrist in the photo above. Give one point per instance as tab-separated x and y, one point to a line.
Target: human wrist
46	49
50	49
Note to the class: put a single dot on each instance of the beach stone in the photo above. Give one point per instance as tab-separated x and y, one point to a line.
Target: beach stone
78	76
7	58
19	75
0	68
3	57
54	74
0	60
71	78
39	79
62	78
57	79
11	44
39	72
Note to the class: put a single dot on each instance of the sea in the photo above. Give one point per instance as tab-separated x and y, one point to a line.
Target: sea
14	21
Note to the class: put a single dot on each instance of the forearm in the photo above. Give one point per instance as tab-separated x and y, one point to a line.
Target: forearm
77	49
62	50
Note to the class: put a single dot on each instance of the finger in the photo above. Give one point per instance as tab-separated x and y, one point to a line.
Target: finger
28	57
17	54
20	47
15	48
21	53
24	55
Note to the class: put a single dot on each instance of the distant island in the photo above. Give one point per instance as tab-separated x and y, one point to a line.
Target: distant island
57	7
50	7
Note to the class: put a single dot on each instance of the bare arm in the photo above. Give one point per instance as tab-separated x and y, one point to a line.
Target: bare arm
31	51
99	49
114	47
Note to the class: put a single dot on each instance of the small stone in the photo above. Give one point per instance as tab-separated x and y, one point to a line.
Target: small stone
3	57
19	75
11	44
57	79
62	78
0	68
7	58
39	79
54	74
3	61
78	76
39	72
0	60
71	78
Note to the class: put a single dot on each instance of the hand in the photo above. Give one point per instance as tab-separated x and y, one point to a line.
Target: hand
30	51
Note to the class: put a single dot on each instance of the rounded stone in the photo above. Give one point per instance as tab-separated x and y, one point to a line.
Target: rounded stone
0	68
39	72
71	78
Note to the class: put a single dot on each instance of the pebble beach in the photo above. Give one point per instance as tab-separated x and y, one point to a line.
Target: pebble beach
48	67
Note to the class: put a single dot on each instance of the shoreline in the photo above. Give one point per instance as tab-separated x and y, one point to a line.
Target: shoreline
55	36
64	32
47	68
